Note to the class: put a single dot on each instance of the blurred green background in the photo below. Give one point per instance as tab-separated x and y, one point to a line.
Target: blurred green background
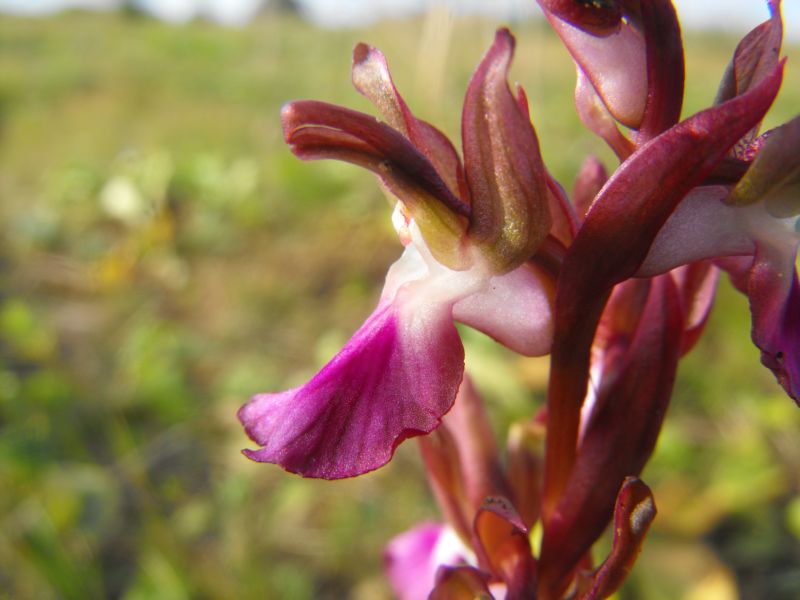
163	257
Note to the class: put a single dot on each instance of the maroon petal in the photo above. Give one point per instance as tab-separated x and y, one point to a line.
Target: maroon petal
394	379
510	215
590	180
371	77
665	68
316	130
624	221
755	57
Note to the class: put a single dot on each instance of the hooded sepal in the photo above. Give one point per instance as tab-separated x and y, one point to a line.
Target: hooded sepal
600	18
755	56
614	63
505	173
317	130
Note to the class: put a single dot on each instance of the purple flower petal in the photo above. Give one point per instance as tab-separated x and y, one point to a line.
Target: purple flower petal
412	559
394	379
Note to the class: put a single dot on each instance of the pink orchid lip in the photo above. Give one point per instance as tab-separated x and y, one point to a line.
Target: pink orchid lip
394	379
400	372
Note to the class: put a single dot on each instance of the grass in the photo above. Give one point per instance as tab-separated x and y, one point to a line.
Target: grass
164	257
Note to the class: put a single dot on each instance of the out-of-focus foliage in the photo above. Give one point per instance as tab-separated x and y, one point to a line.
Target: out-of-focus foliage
163	256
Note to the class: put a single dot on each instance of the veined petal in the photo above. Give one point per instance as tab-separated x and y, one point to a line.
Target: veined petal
516	309
394	379
412	559
316	130
510	214
371	78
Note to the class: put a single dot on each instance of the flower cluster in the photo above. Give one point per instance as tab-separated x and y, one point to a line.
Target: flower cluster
615	284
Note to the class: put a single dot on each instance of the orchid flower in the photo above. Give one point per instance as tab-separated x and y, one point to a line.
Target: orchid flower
624	219
748	222
468	233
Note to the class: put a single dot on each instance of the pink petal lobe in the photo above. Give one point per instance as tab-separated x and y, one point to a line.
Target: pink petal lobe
516	309
412	559
701	227
396	378
615	64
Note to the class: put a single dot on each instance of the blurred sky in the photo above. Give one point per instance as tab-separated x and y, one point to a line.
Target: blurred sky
716	14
